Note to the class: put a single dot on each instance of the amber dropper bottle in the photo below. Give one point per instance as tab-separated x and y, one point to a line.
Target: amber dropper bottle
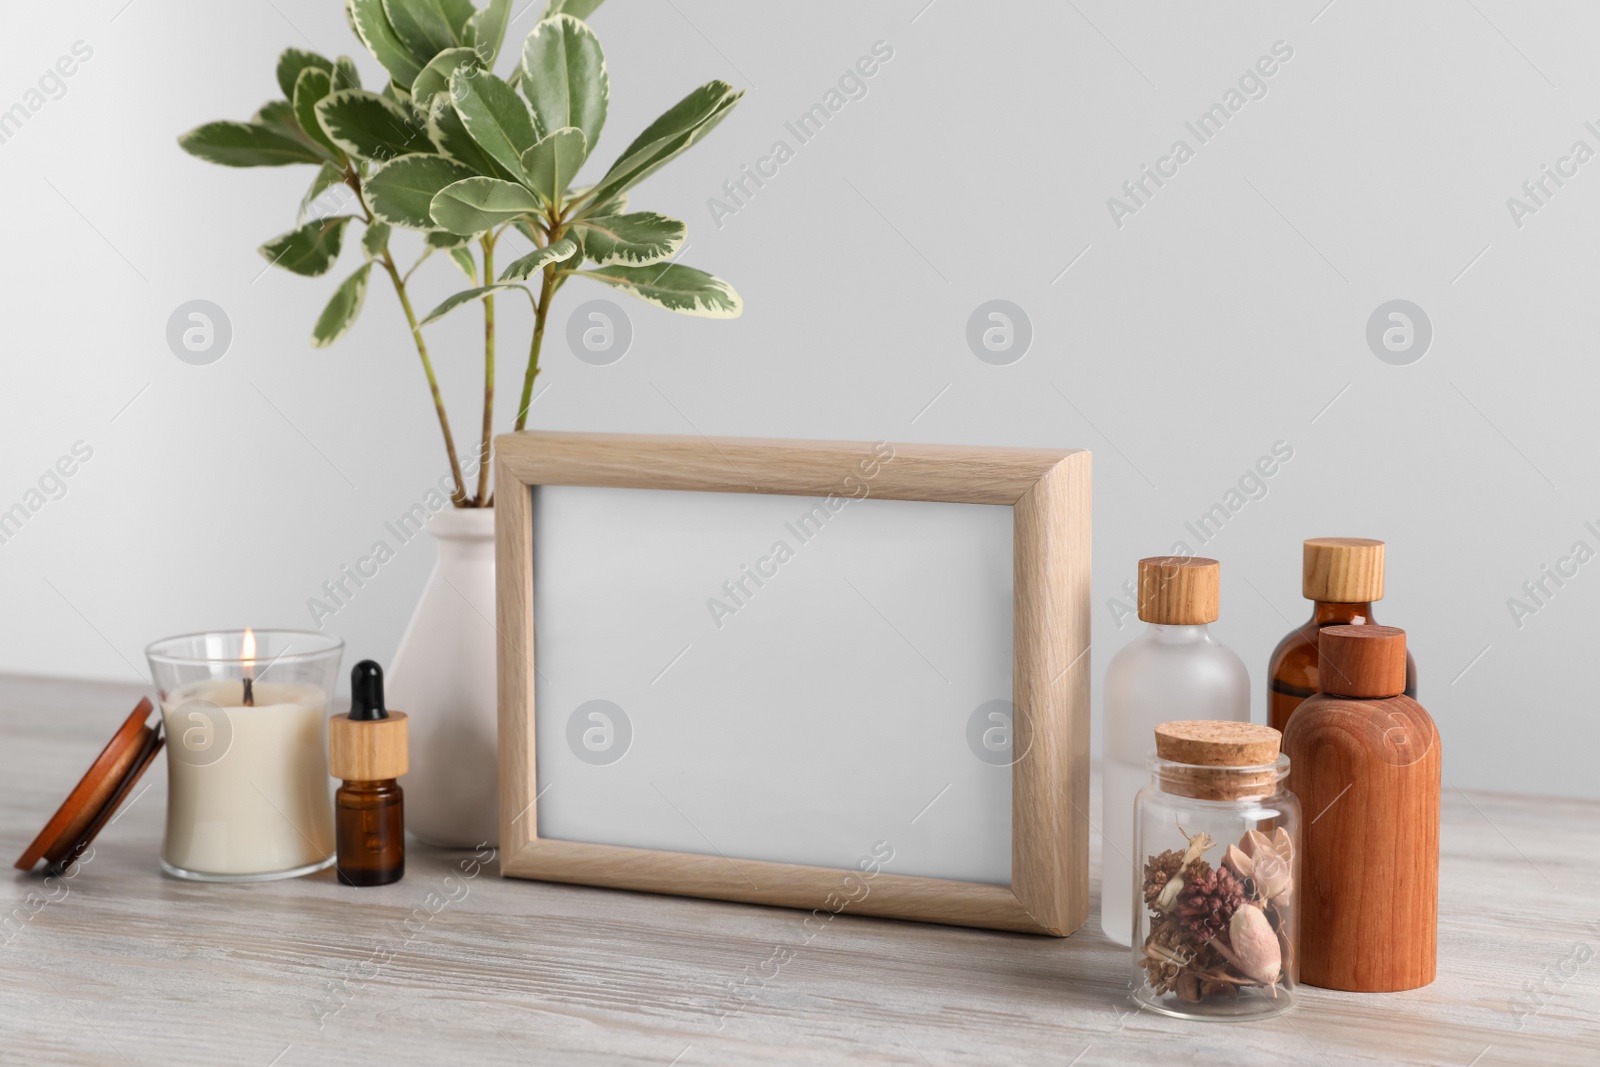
1342	576
367	748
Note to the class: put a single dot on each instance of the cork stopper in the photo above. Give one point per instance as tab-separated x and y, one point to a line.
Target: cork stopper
1218	760
1361	661
1342	570
1179	590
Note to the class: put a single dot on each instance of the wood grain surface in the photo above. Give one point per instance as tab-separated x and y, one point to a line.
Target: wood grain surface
1049	492
1367	775
120	965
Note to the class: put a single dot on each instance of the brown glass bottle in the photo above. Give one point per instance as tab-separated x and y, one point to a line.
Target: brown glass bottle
1342	577
370	830
367	749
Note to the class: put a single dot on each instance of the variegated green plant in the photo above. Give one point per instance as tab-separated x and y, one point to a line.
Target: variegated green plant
460	155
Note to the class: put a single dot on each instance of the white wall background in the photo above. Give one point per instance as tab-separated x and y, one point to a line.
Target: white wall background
1228	314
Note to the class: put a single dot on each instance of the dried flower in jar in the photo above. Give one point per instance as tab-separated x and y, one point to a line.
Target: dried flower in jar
1217	930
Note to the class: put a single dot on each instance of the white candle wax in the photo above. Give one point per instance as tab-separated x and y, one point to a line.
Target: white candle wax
263	804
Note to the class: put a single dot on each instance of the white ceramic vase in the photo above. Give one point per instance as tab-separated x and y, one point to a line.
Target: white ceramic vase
443	678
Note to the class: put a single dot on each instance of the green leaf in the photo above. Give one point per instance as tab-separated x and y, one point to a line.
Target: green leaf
278	114
463	259
313	84
340	314
421	25
632	240
578	9
534	262
474	205
615	205
450	137
686	122
435	77
488	30
445	239
564	76
496	117
326	178
677	288
376	239
467	296
247	144
400	191
551	164
309	250
295	60
367	18
345	74
370	126
459	14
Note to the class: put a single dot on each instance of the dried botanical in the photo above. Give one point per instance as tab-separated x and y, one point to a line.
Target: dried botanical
1208	900
1216	930
1158	870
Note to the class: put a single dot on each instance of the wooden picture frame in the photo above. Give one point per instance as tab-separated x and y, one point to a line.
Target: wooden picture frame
1049	492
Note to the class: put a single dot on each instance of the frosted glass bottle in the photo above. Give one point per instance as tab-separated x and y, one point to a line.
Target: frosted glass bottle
1174	670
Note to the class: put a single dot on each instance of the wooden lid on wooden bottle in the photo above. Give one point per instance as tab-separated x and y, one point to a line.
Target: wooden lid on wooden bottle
1179	590
1361	661
1221	760
1342	570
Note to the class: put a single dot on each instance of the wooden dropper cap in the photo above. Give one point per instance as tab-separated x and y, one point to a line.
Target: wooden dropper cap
1361	661
1179	590
1342	570
1221	760
369	744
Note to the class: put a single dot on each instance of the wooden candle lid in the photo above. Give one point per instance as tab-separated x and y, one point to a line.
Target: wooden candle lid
367	750
1342	570
1179	590
1220	760
1361	661
98	794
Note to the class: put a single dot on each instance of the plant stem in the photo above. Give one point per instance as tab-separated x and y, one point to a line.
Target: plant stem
545	291
488	370
459	497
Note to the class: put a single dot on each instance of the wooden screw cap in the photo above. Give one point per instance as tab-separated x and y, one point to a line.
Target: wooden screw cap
367	750
1207	743
1179	590
1342	570
1361	661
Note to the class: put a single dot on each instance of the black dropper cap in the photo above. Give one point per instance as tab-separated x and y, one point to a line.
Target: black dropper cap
366	692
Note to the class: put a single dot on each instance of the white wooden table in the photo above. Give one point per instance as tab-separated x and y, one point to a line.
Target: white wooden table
122	965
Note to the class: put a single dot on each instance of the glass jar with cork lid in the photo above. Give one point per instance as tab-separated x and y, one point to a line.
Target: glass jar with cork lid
1217	835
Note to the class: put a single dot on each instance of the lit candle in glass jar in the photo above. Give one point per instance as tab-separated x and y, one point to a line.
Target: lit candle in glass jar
247	761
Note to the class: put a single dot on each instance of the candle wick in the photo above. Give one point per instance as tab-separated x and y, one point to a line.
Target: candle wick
249	692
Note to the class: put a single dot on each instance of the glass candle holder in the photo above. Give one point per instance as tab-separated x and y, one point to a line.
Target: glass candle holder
246	716
1215	924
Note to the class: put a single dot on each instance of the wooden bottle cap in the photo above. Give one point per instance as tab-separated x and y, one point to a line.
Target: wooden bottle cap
1179	590
1342	570
1211	754
1361	661
368	750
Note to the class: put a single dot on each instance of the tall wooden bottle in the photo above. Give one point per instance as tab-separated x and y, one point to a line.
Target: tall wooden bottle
1364	761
